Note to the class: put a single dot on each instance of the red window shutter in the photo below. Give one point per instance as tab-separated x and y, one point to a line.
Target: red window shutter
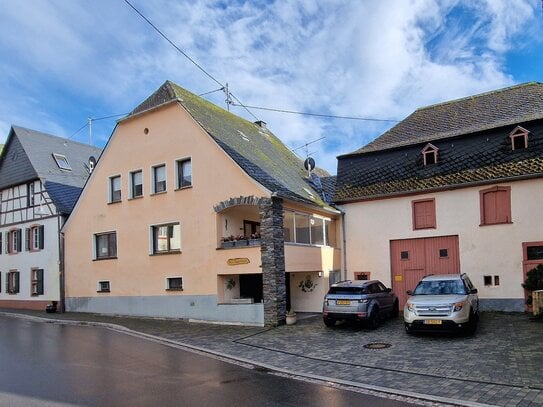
424	214
496	206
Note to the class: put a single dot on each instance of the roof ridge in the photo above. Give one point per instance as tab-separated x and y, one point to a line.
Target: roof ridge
478	95
41	133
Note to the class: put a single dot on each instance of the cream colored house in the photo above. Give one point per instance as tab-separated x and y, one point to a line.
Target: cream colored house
455	187
193	212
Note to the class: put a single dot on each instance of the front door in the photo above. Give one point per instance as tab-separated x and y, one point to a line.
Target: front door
412	259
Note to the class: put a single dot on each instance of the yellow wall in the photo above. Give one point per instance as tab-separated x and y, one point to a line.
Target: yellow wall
172	135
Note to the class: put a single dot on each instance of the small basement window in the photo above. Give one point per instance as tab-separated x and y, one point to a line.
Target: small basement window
404	255
103	287
487	280
62	162
174	284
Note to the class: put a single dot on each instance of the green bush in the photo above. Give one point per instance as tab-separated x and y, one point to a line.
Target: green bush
534	279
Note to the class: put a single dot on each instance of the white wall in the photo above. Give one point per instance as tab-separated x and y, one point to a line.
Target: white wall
484	250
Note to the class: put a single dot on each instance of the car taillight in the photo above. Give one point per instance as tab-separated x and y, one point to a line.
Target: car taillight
365	301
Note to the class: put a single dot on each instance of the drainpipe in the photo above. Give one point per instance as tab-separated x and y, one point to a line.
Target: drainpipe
61	264
344	243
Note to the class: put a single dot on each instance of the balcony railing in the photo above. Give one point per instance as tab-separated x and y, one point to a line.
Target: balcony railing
228	244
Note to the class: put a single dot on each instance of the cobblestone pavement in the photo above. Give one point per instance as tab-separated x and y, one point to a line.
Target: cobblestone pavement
502	364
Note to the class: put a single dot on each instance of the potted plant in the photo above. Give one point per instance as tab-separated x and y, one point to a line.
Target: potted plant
534	282
291	317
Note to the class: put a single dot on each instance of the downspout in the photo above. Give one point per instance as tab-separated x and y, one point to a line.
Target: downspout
344	243
61	264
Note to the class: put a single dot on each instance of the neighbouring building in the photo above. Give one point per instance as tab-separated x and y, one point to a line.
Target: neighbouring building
41	177
455	187
193	212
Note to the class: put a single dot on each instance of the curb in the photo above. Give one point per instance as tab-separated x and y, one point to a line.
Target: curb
250	364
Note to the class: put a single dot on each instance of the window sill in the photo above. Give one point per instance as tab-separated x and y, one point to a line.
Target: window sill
158	193
103	291
174	289
35	295
166	253
135	197
425	228
105	258
307	245
497	223
182	188
114	202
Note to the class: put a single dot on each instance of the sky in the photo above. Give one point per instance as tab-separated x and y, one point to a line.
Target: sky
63	61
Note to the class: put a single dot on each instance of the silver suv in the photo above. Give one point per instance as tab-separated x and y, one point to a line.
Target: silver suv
362	300
442	302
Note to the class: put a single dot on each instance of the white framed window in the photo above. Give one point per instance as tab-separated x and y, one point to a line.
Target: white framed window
105	245
136	184
34	238
159	178
115	188
12	280
14	240
174	283
36	281
62	162
30	194
103	286
183	173
304	228
166	238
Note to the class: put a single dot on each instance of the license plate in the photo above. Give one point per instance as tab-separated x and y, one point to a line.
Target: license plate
343	302
432	321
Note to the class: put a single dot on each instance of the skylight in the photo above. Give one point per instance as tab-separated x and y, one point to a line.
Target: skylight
62	162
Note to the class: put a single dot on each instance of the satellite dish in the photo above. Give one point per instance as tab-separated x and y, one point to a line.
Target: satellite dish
92	163
309	164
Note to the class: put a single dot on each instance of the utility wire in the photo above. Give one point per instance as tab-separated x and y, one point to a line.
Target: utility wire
211	91
188	57
318	114
94	120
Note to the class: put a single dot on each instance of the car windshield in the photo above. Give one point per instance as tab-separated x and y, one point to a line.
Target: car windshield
440	287
348	290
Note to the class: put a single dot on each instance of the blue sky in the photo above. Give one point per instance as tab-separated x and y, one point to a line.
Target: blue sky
64	61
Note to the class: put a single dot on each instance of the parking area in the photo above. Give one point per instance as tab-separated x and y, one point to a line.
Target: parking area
502	364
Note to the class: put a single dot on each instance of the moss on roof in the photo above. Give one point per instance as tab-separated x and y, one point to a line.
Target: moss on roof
254	148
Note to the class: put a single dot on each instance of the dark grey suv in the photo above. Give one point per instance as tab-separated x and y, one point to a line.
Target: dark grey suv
362	300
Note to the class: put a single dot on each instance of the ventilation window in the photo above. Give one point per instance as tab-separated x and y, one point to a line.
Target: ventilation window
487	280
429	154
519	138
404	255
103	287
62	162
443	253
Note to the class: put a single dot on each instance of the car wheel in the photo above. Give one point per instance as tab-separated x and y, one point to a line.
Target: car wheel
395	310
373	320
329	321
408	330
472	323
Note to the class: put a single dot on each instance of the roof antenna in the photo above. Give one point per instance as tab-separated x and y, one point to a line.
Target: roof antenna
228	99
90	130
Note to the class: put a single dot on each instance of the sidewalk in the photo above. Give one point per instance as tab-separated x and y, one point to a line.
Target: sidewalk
501	365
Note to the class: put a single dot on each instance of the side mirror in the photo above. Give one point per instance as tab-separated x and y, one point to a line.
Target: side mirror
409	292
473	291
388	290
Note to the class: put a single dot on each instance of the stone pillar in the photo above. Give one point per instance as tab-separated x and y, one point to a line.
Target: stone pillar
273	261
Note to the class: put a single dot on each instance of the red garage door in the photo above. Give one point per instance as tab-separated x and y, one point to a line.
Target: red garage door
412	259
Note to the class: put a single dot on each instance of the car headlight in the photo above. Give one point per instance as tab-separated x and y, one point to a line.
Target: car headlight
458	306
410	307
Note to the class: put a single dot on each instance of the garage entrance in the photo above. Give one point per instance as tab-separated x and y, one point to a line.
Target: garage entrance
412	259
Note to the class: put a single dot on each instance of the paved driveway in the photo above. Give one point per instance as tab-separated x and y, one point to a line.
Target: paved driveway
502	364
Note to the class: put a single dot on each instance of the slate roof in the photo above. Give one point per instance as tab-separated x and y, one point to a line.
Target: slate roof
503	107
389	166
37	150
254	148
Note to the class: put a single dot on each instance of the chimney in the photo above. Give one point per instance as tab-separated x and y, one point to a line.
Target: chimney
261	124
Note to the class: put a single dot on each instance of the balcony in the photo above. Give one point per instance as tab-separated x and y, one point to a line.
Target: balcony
231	242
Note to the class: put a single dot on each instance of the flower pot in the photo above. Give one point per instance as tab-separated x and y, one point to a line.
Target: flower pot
291	319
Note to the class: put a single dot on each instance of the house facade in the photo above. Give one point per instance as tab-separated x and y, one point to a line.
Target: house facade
193	212
455	187
41	177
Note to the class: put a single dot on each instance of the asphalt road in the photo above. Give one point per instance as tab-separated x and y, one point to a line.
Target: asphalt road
43	364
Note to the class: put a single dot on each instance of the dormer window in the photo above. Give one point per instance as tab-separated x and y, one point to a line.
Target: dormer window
429	154
519	138
62	162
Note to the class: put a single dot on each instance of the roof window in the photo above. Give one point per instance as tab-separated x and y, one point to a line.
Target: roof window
429	154
519	138
62	162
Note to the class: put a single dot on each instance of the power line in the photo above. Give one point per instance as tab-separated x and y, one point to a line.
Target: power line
318	114
211	91
94	119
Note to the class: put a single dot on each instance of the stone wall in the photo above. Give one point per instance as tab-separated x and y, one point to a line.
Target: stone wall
273	261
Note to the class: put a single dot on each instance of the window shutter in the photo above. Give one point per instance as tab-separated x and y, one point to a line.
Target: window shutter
27	239
8	243
7	283
16	281
39	287
0	279
1	245
19	240
42	236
